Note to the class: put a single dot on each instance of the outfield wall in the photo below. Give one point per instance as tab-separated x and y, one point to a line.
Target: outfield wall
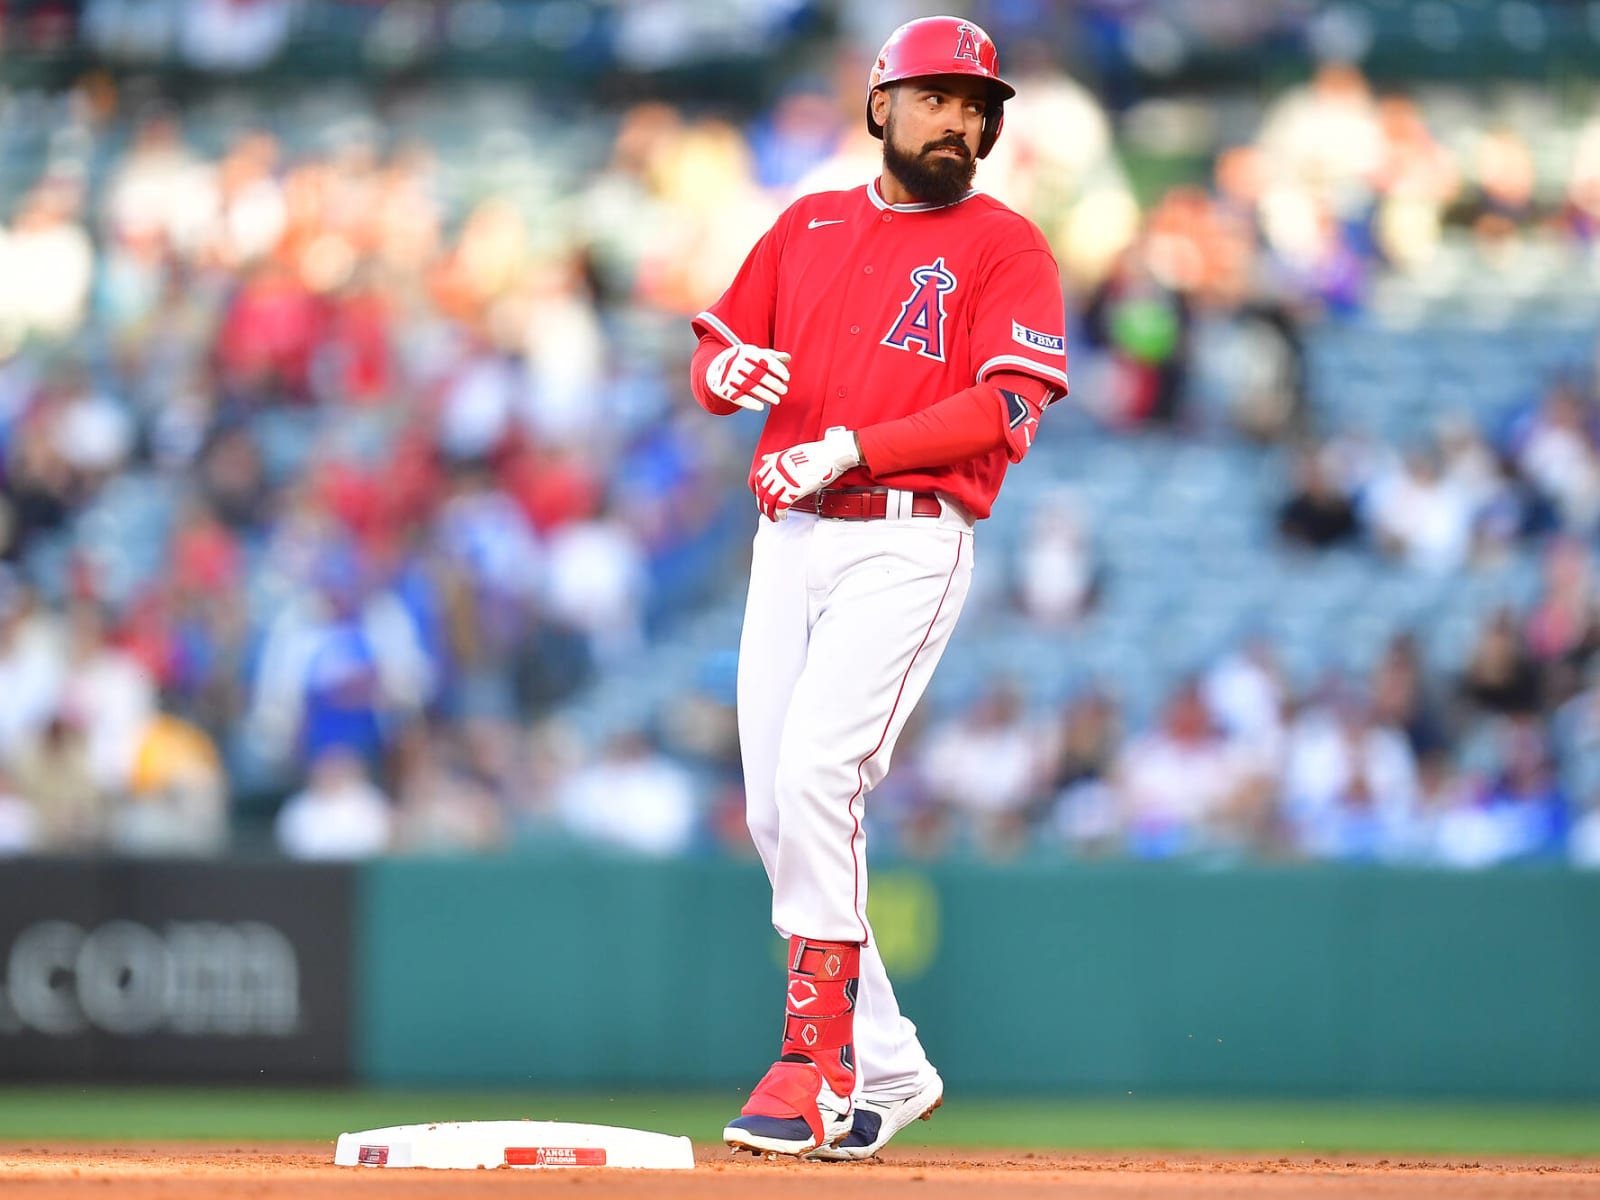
217	971
1084	979
574	971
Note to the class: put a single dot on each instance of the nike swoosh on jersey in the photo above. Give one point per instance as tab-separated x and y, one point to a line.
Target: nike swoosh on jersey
816	224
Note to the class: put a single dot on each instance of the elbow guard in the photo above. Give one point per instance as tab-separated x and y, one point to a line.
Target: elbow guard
1021	415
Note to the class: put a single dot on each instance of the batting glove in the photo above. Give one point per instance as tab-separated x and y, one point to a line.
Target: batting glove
787	475
749	376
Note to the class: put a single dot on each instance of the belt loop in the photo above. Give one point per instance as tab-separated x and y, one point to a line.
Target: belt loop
953	513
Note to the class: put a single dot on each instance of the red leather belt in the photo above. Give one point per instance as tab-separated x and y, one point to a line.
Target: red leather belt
863	504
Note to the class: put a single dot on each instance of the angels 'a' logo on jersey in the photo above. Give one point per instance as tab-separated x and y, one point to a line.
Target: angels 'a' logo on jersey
966	47
920	326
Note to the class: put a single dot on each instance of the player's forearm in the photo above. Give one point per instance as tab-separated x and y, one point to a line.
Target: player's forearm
964	426
707	350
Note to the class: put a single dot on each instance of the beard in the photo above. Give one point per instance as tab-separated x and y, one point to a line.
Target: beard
932	179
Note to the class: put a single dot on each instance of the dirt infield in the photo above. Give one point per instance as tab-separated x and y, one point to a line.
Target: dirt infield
277	1172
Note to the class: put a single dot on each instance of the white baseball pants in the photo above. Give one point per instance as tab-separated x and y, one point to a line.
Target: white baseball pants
844	624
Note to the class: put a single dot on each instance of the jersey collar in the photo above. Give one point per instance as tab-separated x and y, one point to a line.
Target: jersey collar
878	201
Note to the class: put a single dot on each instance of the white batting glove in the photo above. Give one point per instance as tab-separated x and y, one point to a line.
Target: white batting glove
749	376
787	475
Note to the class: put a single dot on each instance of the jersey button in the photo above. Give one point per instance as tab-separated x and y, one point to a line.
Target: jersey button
841	391
855	329
888	216
866	270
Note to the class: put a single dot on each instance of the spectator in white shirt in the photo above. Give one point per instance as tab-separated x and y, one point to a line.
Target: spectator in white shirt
339	814
597	582
1557	455
46	265
1247	693
19	824
109	694
1056	565
631	798
33	665
1420	517
1182	787
1350	785
984	767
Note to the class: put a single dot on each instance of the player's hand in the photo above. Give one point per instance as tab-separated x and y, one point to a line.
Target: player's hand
787	475
749	376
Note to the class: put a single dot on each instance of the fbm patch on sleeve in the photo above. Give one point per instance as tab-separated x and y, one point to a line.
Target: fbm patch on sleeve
1047	343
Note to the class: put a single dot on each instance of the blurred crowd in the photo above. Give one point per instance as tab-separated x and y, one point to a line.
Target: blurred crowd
311	481
334	470
1495	764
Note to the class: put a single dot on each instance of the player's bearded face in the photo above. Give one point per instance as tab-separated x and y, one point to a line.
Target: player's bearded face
932	177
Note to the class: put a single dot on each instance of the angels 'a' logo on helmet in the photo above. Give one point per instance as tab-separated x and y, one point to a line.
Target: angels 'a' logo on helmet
967	47
920	326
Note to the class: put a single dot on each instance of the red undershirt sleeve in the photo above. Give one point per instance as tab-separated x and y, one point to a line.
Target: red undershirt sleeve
959	427
709	347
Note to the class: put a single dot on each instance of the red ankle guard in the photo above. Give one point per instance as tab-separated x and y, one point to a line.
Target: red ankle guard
819	1024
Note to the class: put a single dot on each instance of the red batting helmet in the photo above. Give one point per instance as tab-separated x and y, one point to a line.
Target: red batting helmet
942	46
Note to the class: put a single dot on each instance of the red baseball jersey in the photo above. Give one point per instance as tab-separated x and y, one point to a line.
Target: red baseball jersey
885	309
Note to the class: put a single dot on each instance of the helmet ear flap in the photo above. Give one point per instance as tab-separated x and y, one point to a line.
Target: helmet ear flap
993	118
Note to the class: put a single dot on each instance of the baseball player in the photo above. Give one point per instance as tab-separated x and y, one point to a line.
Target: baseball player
901	340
